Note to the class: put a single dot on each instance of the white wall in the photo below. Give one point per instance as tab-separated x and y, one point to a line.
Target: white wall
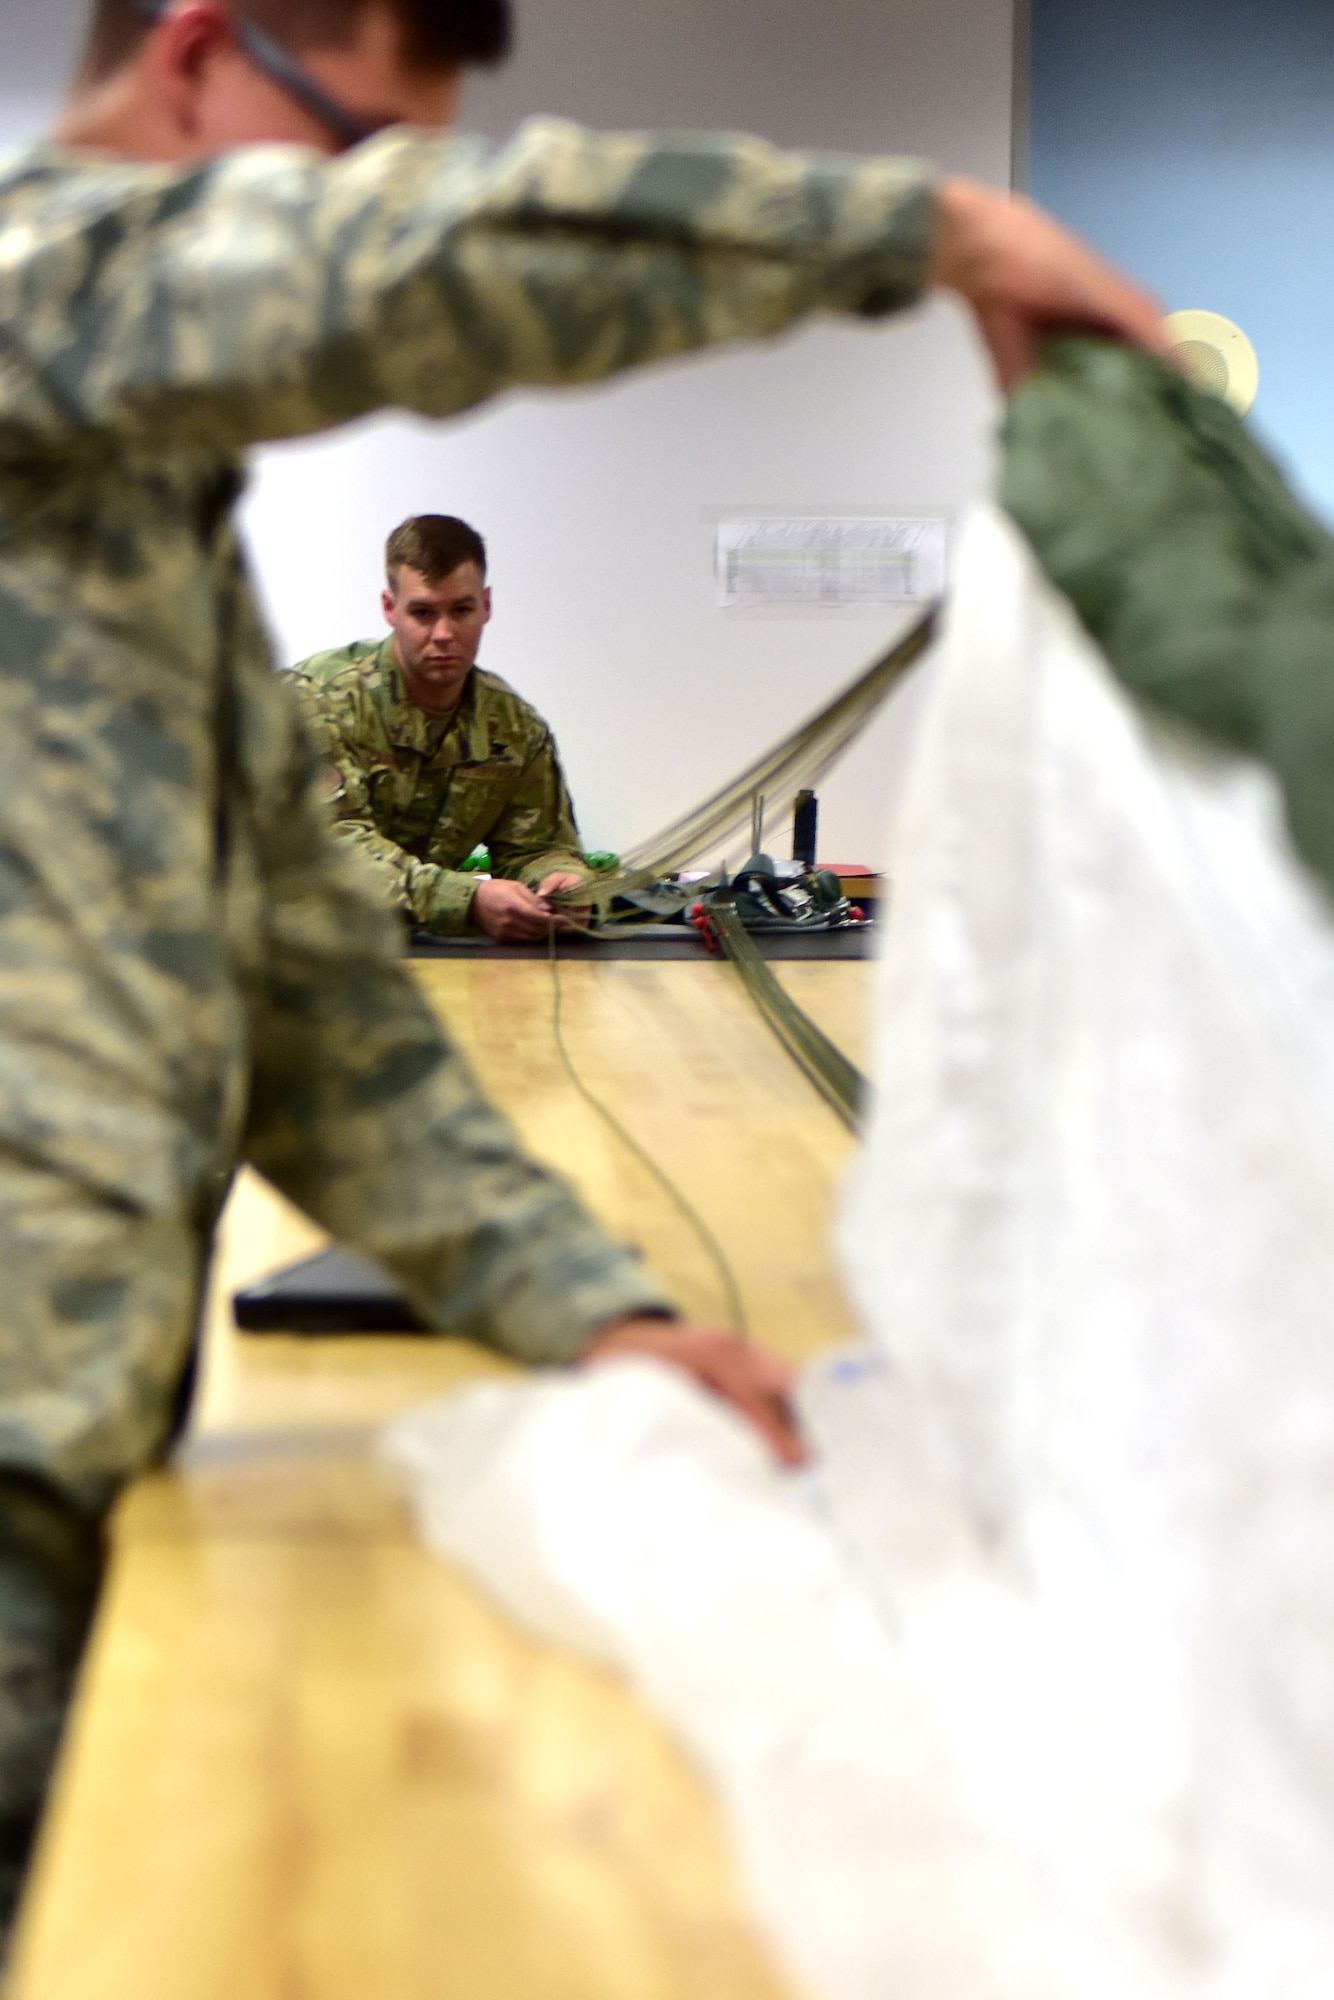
594	503
39	41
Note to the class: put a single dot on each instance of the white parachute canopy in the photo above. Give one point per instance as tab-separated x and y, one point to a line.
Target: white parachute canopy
1094	1227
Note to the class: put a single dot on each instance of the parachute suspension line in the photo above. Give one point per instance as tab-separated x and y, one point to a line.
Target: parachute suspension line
734	1305
768	787
841	1084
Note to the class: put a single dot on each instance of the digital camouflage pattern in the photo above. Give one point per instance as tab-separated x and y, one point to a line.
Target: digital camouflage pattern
415	793
192	972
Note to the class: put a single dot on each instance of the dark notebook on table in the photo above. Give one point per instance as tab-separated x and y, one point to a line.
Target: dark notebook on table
333	1292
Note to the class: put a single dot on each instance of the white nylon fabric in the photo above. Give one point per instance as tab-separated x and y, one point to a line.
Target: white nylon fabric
931	1785
1094	1226
627	1515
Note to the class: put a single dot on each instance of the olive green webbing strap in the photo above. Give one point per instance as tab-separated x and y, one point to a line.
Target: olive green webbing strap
771	782
840	1082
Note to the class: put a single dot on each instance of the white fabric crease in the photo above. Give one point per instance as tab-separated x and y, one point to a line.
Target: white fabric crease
1092	1225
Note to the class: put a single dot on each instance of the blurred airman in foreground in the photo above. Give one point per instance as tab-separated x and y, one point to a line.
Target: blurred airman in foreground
192	972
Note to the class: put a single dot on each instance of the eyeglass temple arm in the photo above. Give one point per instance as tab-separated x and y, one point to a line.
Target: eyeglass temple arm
284	69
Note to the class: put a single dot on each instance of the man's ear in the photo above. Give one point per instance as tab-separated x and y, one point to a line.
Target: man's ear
486	604
177	56
388	604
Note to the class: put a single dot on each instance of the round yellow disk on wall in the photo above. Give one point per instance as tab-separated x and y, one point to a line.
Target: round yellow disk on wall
1216	355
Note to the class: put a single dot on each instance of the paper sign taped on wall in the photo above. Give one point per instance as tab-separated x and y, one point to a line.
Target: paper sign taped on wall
830	561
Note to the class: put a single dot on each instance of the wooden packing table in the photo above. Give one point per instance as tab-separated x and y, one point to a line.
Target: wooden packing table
308	1760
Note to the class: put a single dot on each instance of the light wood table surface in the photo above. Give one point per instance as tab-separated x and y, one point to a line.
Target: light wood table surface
309	1761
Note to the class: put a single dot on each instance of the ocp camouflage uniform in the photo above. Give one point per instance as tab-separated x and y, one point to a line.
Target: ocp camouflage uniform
192	973
416	793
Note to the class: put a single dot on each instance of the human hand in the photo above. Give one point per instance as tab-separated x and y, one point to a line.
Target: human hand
755	1382
1026	278
581	915
511	914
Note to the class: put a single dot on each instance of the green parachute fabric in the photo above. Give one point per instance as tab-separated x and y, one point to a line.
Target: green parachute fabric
1207	585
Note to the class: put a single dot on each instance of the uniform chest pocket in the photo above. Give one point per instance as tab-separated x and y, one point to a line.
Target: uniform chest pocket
391	794
475	797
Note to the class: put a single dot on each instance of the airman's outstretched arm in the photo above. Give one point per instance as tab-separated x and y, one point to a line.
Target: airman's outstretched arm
273	292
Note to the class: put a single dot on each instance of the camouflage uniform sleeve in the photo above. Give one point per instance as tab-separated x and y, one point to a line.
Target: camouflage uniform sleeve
439	898
271	292
365	1114
537	836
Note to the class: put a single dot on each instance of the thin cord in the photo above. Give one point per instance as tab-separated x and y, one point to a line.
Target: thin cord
736	1311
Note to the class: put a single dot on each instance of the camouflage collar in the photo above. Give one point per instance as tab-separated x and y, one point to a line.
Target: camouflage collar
411	728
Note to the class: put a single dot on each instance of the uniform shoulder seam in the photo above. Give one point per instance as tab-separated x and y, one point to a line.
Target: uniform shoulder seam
496	684
351	664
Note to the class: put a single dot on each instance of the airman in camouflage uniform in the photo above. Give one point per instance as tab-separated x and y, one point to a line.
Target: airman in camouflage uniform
192	972
415	794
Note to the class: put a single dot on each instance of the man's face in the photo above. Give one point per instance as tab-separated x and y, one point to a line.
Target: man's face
437	632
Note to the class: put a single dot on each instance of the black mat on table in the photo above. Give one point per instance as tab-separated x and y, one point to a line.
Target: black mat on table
673	942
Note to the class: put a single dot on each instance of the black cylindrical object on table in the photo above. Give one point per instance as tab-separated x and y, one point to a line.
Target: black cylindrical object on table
805	821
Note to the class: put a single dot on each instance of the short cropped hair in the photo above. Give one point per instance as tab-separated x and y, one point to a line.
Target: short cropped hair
434	545
440	33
